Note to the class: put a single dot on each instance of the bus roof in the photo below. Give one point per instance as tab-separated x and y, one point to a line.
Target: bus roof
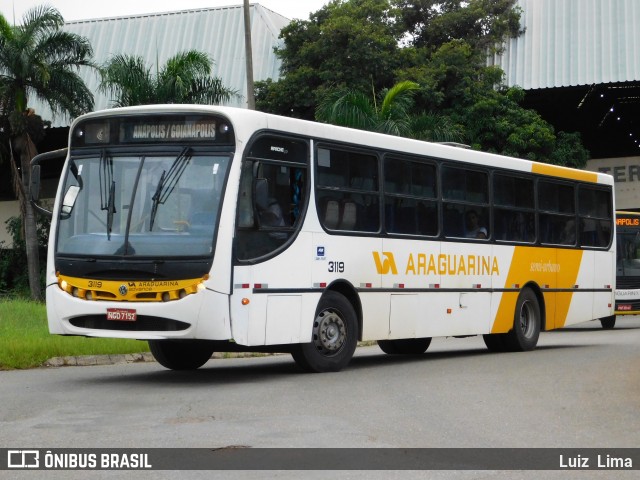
246	122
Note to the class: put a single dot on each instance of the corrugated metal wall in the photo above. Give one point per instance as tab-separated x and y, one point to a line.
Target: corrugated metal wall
574	42
157	37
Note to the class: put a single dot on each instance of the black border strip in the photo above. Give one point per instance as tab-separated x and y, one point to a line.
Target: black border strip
428	290
240	457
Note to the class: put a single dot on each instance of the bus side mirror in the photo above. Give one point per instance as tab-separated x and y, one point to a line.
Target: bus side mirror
34	185
34	189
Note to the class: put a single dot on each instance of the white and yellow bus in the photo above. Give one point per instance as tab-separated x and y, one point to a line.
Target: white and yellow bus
205	229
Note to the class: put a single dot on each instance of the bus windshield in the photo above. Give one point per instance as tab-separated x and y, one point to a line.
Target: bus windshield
628	264
143	205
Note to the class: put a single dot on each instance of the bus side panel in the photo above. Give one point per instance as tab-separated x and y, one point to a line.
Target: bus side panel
581	301
466	275
537	266
402	316
276	312
352	259
214	322
575	281
375	313
410	314
240	313
604	279
283	319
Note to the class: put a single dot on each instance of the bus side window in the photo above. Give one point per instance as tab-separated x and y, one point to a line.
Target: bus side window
347	190
245	197
269	210
271	196
595	211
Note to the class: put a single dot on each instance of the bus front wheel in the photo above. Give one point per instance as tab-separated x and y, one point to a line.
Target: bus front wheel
526	323
406	346
334	336
181	355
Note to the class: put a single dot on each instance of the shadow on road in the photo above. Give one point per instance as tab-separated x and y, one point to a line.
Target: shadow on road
221	372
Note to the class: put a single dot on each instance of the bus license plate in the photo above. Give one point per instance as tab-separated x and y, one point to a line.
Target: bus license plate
122	314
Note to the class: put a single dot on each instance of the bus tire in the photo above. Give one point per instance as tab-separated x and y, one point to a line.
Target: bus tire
495	342
526	323
608	322
334	338
181	355
405	346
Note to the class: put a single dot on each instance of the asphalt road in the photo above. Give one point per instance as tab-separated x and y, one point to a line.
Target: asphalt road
580	388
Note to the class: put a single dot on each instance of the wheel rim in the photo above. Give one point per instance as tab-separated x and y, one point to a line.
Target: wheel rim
527	319
329	332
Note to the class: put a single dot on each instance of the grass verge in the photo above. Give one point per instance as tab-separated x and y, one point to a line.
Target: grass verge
25	341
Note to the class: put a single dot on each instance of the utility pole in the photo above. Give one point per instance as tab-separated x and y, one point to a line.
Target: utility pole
251	101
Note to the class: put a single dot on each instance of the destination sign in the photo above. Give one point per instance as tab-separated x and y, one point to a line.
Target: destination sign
174	131
150	129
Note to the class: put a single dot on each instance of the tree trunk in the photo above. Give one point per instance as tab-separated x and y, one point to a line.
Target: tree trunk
27	152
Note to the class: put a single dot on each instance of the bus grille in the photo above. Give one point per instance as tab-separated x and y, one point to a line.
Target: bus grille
144	323
627	283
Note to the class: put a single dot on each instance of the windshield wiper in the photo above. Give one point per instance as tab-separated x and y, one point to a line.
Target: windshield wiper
111	208
168	181
107	189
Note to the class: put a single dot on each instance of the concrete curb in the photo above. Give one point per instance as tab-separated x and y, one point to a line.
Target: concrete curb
93	360
89	360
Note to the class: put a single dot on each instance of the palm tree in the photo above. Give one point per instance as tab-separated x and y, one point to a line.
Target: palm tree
390	113
38	59
185	78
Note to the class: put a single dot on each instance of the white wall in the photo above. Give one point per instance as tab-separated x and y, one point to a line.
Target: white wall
7	210
626	174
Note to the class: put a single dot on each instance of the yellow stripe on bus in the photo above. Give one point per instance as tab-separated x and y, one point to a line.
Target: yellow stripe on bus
130	290
563	172
549	268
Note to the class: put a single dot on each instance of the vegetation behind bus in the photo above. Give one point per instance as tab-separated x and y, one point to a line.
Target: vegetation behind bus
14	279
434	44
25	341
37	59
370	45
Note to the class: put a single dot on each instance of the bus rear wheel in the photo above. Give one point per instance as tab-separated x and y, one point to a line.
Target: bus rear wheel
181	355
608	322
334	337
526	323
405	346
495	342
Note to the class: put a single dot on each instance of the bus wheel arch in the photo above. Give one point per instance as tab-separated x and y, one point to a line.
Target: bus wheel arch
181	354
527	321
347	290
334	337
541	303
505	342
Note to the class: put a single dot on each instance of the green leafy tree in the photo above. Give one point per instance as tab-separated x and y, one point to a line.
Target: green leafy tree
38	59
345	44
391	112
569	151
442	45
483	24
184	78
